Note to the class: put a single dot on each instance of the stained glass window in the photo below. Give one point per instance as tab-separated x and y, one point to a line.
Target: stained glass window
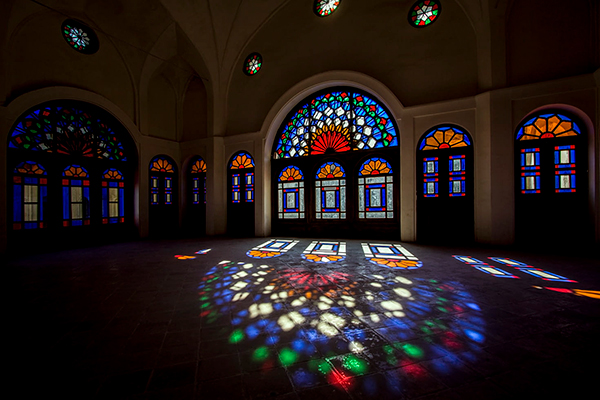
335	121
530	170
291	193
457	178
242	160
444	137
242	182
423	13
324	8
29	195
375	189
198	171
330	192
430	177
113	197
76	196
80	37
253	64
68	131
564	169
162	171
548	126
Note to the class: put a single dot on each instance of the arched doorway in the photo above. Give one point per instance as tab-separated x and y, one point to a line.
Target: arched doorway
240	203
164	206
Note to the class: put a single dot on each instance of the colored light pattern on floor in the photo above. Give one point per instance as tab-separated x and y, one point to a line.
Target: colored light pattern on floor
325	327
594	294
180	257
271	248
391	256
484	267
323	252
528	269
203	251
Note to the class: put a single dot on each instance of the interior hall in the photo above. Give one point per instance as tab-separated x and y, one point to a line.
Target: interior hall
299	199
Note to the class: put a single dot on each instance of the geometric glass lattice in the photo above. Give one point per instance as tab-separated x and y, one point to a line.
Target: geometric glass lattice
336	121
330	193
444	137
530	170
423	13
548	126
29	195
290	191
324	8
68	131
564	169
76	196
113	197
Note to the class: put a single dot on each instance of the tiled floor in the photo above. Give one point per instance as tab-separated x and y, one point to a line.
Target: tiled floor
134	321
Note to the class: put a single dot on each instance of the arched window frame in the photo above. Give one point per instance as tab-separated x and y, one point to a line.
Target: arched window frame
162	173
375	189
536	132
330	191
444	137
242	178
113	197
198	181
290	190
76	196
30	189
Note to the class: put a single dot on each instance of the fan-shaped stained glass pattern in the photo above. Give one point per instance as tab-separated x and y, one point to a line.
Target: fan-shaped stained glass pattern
75	171
68	131
242	160
547	126
444	137
30	168
113	174
198	167
331	170
291	173
337	121
375	166
253	64
330	139
80	37
161	164
324	8
423	13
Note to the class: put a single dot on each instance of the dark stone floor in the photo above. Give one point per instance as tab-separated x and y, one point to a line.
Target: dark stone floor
133	321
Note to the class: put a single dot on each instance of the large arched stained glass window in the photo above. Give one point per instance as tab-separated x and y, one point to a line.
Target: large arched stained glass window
375	189
76	196
291	193
445	188
330	192
30	189
334	122
113	197
551	186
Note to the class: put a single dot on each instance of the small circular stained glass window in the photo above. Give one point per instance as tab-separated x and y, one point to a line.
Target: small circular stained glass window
253	64
80	37
325	7
423	13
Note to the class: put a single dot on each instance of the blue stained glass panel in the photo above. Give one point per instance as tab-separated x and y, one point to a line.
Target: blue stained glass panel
66	202
104	202
43	194
121	202
17	201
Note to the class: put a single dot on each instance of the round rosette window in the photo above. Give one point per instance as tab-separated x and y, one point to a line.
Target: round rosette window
423	13
253	64
324	8
80	37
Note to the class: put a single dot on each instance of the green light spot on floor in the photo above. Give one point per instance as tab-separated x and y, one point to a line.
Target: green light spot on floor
204	305
236	336
287	357
260	354
412	350
355	365
388	349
